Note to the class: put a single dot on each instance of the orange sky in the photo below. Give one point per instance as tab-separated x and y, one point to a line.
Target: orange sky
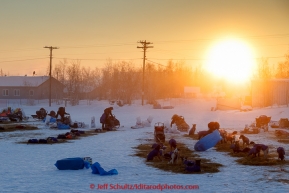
96	30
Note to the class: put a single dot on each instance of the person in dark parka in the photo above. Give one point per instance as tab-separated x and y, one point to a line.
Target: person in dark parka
105	116
61	112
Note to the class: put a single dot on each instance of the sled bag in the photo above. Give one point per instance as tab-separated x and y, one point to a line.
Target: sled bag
33	141
97	169
52	139
61	136
62	126
71	164
42	141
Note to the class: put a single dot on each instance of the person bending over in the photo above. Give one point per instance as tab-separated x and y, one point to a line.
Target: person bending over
105	116
61	112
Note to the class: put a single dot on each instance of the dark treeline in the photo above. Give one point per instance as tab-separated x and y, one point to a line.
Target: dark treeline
124	81
281	70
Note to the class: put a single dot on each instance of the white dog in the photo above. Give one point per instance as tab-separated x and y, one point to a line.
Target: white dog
174	129
142	124
147	123
174	156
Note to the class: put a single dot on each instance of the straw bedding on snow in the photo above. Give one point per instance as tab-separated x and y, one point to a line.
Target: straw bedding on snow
256	161
13	127
206	165
86	134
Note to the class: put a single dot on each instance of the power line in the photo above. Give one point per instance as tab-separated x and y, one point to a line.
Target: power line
200	59
93	59
22	60
101	45
210	39
156	63
97	59
161	41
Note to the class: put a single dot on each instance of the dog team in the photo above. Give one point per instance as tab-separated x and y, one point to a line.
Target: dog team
158	151
235	146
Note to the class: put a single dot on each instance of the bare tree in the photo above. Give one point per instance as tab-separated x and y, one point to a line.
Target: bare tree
59	71
129	82
74	81
120	81
283	68
264	70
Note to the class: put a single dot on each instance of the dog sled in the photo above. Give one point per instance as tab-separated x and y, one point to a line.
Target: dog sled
159	133
66	120
12	115
263	122
250	130
281	133
180	122
4	114
40	114
112	123
282	123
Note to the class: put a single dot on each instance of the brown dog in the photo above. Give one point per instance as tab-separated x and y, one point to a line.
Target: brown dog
245	140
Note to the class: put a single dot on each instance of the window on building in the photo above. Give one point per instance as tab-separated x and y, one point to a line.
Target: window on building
16	92
5	92
31	92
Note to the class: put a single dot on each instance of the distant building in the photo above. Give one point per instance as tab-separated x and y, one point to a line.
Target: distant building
270	92
30	87
192	92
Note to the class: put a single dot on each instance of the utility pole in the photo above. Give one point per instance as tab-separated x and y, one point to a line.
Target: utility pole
50	48
144	47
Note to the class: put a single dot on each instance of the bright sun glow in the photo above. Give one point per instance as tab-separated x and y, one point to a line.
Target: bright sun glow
232	60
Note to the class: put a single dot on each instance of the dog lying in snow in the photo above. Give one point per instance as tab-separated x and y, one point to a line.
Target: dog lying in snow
236	148
171	129
142	124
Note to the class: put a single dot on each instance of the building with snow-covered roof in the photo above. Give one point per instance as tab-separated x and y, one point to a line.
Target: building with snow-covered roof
30	87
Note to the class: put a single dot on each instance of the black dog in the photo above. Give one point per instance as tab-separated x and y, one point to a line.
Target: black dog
246	150
281	153
236	147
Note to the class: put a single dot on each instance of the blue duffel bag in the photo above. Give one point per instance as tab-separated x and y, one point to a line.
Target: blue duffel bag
72	164
62	126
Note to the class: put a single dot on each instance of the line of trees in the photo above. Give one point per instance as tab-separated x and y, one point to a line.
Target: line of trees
123	80
281	70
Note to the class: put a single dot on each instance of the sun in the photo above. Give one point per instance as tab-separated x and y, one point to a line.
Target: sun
232	60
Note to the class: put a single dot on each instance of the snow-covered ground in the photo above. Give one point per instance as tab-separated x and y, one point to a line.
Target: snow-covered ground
30	168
